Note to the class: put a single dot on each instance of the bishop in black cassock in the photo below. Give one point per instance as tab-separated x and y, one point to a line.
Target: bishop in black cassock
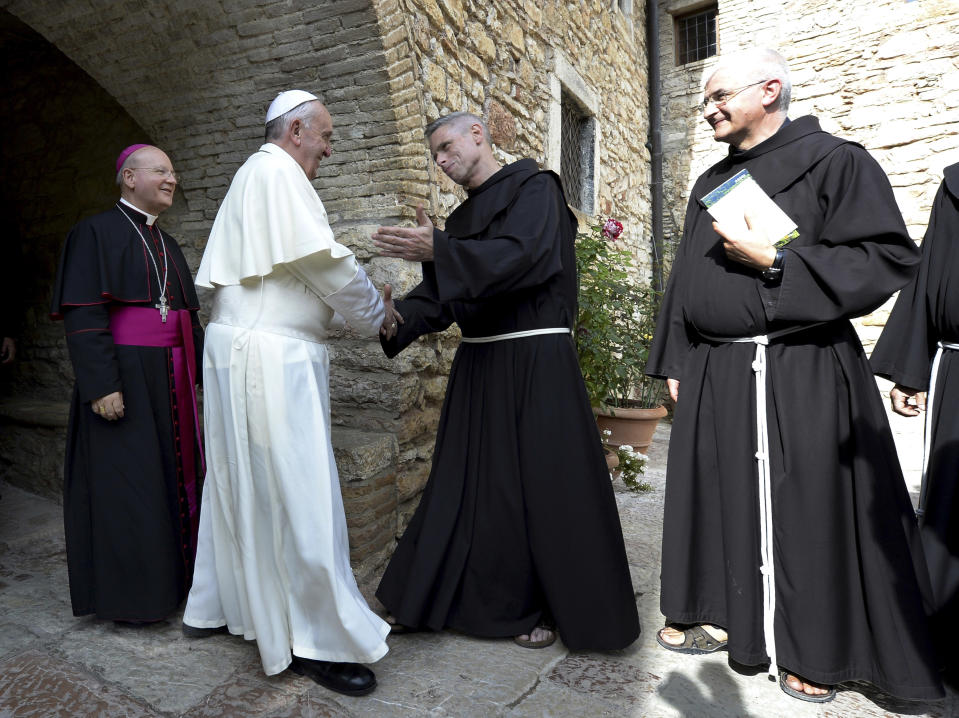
133	461
923	324
518	524
816	566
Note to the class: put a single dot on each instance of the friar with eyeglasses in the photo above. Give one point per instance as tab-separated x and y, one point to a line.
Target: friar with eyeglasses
789	537
134	467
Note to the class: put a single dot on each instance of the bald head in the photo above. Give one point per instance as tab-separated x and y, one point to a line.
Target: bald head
147	180
132	158
757	65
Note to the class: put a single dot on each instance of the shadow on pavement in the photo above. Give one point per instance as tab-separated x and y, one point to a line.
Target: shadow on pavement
725	699
891	704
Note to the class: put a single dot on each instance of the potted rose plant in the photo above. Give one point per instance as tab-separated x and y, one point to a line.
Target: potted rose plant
614	329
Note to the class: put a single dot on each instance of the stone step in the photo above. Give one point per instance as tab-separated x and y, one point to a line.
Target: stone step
366	462
362	455
34	412
32	438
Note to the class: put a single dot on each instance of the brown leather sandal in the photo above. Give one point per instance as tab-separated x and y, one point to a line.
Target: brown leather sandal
397	629
802	695
530	643
696	642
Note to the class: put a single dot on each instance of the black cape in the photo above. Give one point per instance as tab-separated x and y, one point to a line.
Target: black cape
850	576
927	312
125	503
518	520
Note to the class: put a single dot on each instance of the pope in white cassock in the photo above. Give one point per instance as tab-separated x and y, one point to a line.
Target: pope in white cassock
272	560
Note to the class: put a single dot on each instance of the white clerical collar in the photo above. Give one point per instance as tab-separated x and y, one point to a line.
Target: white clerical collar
151	218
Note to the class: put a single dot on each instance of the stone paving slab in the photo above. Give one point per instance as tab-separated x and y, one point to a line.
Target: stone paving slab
155	662
54	664
34	683
245	696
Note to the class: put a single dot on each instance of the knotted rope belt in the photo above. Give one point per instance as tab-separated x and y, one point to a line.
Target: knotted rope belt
516	335
767	565
927	440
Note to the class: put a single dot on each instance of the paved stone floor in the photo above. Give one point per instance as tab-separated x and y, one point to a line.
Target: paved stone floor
52	664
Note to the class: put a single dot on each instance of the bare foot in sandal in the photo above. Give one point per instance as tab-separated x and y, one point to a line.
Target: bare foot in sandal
805	690
703	638
397	628
540	637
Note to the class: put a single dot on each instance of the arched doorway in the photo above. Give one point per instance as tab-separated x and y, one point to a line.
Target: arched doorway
197	83
57	149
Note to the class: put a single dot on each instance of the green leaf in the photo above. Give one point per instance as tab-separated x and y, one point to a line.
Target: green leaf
615	323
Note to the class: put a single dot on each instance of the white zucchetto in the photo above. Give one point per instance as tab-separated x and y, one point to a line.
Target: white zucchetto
286	101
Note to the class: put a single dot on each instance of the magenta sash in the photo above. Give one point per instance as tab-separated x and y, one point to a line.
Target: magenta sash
142	327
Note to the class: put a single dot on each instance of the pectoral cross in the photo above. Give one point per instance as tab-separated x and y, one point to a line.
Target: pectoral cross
162	306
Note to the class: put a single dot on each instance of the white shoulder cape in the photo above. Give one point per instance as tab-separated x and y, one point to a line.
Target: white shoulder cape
271	215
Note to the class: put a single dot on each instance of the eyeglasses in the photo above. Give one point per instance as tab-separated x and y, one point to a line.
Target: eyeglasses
721	97
159	172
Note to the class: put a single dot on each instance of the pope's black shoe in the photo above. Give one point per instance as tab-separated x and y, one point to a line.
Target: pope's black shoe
351	679
194	632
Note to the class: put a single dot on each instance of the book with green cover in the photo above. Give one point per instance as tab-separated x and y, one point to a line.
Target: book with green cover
729	202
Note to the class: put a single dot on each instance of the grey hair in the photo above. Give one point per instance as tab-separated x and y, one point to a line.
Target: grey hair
460	120
762	65
126	162
277	127
123	167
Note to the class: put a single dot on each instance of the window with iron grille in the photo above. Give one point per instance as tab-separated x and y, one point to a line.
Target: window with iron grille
577	130
696	35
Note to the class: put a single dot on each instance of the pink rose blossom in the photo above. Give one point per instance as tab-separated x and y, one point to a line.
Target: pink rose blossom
612	229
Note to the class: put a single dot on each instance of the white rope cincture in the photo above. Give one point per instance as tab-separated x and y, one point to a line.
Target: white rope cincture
517	335
767	566
927	438
767	537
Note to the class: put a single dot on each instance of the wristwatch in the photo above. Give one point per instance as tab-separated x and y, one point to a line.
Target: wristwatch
776	269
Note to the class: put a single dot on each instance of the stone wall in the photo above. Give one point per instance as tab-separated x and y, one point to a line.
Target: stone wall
884	73
55	167
502	60
498	60
196	79
196	76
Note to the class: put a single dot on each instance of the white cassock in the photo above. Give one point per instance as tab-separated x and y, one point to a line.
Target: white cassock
273	555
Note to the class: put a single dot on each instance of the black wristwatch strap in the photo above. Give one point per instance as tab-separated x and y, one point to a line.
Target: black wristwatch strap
776	269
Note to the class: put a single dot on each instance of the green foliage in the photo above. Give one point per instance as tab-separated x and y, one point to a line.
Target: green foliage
615	324
631	465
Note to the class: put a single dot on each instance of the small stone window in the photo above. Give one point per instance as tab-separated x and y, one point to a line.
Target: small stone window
573	135
696	34
577	146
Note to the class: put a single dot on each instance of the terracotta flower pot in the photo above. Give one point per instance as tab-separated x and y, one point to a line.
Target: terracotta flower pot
633	427
612	460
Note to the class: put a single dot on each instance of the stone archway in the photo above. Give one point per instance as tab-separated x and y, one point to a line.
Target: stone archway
196	79
55	167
